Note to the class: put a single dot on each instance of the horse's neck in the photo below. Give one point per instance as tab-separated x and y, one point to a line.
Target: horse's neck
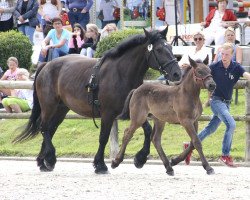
189	84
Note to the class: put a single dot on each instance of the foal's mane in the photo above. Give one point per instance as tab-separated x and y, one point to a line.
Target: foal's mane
131	42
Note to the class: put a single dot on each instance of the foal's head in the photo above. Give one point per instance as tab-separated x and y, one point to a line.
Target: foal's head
202	73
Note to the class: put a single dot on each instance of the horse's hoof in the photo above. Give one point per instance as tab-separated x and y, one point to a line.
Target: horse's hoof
101	169
170	172
43	168
114	164
48	165
139	161
210	171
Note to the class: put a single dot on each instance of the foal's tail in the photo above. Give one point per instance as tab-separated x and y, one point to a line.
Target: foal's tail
125	111
34	125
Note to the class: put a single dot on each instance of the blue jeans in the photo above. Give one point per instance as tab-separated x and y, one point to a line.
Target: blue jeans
52	54
28	31
78	17
221	113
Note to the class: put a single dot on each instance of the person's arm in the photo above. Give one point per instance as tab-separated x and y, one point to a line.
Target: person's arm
216	55
239	55
246	75
59	6
88	6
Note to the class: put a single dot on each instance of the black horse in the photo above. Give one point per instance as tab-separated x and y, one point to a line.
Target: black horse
60	86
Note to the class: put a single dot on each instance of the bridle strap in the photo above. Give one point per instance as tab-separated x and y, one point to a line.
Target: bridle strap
202	79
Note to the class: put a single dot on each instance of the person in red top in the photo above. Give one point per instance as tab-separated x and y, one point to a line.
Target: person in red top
215	24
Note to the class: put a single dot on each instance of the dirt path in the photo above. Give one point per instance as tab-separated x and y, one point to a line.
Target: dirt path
70	180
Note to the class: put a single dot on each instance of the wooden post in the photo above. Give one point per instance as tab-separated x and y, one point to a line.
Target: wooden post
198	11
114	143
247	151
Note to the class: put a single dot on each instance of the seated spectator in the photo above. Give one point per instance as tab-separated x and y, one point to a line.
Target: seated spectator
200	51
21	100
215	24
93	37
10	74
77	39
55	44
230	37
109	28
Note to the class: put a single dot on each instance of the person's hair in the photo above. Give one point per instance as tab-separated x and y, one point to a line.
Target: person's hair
82	34
199	33
227	46
222	0
93	27
56	19
230	29
53	2
23	71
14	59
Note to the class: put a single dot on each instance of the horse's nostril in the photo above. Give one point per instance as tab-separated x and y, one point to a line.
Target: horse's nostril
177	76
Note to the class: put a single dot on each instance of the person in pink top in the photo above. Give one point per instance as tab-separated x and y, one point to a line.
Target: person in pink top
77	39
10	74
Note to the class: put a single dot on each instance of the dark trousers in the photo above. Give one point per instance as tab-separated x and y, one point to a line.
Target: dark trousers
6	25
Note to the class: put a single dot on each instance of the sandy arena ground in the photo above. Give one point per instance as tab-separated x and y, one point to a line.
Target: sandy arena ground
21	179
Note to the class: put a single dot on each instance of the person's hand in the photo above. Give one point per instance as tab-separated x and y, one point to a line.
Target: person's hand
1	10
47	18
20	18
203	24
83	10
185	65
44	51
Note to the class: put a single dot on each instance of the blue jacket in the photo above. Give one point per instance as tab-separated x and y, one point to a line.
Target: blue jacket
31	12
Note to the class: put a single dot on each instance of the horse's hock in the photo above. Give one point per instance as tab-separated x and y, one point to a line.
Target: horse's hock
114	132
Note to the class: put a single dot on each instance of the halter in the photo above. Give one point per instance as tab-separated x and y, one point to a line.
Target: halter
202	79
165	65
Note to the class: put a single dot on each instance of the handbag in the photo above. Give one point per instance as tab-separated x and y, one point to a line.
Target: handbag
100	15
116	13
160	13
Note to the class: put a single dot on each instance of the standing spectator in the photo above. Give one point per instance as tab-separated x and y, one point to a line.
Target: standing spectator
7	8
93	37
215	25
107	7
48	10
21	100
169	6
77	39
10	74
225	74
55	44
79	11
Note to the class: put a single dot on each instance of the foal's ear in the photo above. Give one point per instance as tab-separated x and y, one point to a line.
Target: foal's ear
192	62
164	32
206	60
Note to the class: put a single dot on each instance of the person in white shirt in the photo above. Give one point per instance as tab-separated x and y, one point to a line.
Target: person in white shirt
21	100
7	8
107	7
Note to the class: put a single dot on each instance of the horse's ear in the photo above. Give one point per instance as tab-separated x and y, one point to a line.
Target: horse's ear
146	33
192	62
206	60
164	32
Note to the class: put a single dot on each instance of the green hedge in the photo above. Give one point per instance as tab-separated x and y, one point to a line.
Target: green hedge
115	38
15	44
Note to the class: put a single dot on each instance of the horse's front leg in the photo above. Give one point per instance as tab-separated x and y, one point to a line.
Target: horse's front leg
156	139
141	156
190	128
106	124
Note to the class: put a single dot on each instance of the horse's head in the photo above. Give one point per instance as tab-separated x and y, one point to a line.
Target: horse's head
202	73
160	55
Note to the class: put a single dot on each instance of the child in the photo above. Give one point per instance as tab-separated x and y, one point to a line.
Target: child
77	39
20	100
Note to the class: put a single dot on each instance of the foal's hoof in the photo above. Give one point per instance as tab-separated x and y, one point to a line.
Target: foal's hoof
139	160
114	164
170	172
210	171
43	168
48	165
101	169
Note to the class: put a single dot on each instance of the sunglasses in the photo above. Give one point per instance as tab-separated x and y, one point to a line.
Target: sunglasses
196	39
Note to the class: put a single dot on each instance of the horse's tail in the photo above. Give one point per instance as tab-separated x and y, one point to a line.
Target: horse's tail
33	127
125	111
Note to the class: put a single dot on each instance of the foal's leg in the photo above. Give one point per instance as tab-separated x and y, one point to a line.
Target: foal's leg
106	124
196	143
46	158
128	134
156	139
141	156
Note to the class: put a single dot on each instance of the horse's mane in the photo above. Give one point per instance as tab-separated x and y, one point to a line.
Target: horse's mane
131	42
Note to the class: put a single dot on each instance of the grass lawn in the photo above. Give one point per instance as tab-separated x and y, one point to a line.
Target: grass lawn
79	138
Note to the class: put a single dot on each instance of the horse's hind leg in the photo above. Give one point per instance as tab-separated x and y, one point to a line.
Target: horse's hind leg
46	158
141	156
128	134
156	139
